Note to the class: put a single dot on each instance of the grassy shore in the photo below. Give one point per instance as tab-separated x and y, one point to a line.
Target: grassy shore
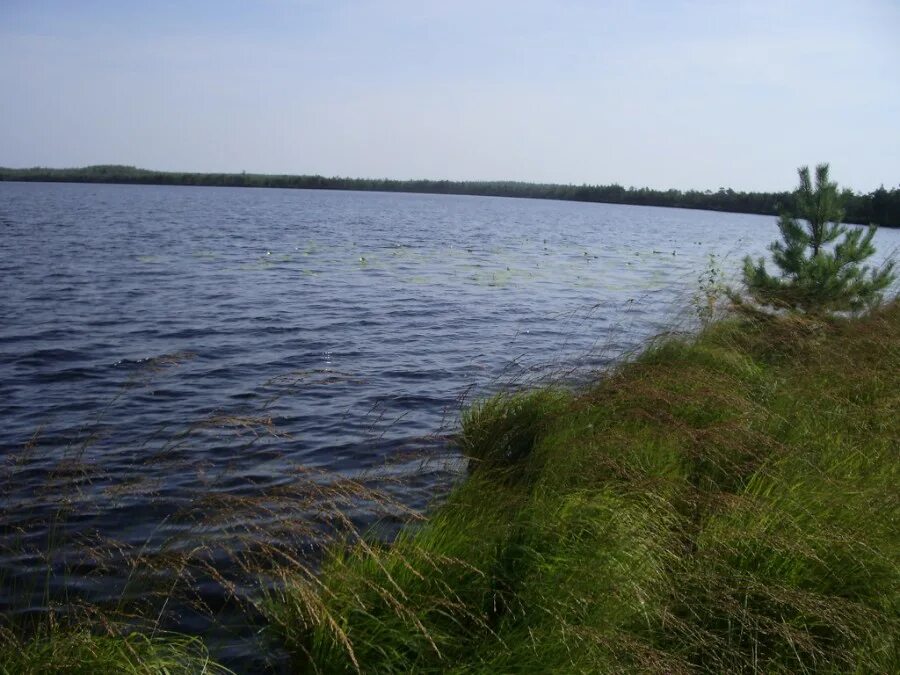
94	649
721	503
726	503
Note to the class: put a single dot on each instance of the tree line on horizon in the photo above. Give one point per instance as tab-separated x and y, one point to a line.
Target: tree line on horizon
880	207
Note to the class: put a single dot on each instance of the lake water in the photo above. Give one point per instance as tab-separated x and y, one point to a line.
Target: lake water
157	343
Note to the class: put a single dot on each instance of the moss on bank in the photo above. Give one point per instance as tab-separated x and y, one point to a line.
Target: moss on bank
726	503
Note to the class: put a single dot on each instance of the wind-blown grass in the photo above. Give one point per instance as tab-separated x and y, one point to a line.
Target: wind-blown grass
724	503
76	651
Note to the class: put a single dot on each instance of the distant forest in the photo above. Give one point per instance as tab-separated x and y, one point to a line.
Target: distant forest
881	206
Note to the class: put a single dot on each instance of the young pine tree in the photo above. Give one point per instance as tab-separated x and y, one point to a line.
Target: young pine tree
816	276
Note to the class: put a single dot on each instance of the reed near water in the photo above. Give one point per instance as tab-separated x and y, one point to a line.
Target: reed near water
723	504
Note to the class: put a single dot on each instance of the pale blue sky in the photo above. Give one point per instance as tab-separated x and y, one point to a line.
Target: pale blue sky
664	94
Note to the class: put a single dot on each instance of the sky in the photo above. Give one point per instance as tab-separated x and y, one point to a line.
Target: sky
665	94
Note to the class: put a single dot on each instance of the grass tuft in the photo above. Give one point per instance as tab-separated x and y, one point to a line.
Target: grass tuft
77	651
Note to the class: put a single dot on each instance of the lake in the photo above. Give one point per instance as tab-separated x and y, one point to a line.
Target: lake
160	343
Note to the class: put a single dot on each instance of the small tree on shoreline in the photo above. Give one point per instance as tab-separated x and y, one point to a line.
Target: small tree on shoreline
815	276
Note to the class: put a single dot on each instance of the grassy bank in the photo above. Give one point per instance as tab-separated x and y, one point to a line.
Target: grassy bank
726	503
722	503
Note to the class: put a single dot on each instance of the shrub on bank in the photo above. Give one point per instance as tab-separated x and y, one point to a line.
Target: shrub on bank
820	260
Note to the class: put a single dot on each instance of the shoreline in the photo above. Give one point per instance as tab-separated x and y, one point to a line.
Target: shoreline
881	207
715	501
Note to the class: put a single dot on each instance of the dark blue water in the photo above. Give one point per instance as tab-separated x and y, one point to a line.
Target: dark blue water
160	343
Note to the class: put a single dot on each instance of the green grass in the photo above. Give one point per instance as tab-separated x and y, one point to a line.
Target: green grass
722	504
78	651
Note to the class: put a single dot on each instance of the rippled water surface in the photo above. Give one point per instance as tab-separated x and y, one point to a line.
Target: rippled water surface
185	339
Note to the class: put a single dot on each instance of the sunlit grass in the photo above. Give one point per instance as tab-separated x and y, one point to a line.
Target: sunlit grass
77	651
725	503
